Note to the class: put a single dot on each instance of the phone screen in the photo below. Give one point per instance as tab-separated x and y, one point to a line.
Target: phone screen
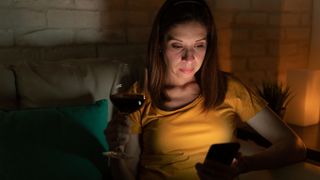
223	153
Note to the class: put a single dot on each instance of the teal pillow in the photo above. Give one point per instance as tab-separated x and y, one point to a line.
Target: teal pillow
54	143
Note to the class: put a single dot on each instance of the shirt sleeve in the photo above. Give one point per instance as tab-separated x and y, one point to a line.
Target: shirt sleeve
247	103
136	122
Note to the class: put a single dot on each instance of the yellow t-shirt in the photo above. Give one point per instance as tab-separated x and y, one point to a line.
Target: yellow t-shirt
174	141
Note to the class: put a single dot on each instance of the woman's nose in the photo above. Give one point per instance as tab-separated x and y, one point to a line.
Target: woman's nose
188	54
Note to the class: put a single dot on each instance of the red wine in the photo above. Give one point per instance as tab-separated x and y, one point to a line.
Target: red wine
127	103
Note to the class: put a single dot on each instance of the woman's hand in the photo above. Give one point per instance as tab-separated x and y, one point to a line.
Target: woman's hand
118	132
214	170
211	169
120	139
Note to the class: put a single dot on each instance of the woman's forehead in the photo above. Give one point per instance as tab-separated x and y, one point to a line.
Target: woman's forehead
192	30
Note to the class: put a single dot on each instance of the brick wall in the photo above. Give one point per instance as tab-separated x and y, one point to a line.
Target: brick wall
258	39
261	39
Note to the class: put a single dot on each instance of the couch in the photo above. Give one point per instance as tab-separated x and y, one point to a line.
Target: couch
52	117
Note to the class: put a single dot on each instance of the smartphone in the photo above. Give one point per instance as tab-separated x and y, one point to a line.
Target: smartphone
223	153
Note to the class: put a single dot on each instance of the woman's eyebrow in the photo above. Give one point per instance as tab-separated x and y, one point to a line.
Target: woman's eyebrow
205	38
173	38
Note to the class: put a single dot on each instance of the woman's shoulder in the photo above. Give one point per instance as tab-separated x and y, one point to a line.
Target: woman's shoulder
235	86
232	80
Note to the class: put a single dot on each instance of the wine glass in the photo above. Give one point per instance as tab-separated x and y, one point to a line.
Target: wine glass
126	98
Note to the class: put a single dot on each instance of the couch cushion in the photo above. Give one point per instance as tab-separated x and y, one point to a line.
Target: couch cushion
8	90
54	143
47	84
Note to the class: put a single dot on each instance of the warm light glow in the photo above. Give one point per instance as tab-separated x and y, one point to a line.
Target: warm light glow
304	108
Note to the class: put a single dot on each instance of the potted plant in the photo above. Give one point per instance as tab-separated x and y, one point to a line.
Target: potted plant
277	95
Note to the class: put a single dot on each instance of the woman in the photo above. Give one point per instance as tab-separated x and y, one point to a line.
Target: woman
190	105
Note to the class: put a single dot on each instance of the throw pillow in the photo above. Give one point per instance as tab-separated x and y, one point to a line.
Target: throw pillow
54	143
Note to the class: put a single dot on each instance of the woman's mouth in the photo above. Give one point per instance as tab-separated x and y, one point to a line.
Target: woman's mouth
186	71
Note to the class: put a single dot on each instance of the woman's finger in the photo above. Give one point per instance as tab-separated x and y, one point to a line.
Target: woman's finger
215	170
203	172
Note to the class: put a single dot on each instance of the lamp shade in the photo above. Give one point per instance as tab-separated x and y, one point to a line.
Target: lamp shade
304	108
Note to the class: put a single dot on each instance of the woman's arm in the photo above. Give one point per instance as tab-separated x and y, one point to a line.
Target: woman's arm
118	136
286	146
127	168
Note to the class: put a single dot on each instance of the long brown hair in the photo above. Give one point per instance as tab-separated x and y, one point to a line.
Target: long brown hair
211	81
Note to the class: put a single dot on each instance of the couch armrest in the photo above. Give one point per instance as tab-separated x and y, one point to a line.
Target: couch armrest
300	170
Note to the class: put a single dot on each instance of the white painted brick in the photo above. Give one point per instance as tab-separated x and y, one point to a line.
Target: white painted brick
60	19
225	64
239	64
304	47
306	19
113	18
18	32
285	49
224	51
6	18
100	4
110	35
285	19
138	35
251	19
248	49
5	3
73	19
6	38
89	36
252	78
262	63
28	18
122	52
293	62
144	4
139	18
227	36
263	34
297	5
87	19
240	35
122	28
223	19
298	33
90	4
46	38
224	36
232	4
44	4
21	18
115	35
266	5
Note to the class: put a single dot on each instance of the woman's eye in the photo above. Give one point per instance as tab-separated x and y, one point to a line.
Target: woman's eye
176	46
200	46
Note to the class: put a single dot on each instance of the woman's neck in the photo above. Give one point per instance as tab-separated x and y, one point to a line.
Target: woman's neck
179	93
179	82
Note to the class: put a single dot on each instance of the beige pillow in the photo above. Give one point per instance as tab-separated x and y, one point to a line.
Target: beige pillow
8	96
49	84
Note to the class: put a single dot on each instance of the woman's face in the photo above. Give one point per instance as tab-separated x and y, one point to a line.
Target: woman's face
184	50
